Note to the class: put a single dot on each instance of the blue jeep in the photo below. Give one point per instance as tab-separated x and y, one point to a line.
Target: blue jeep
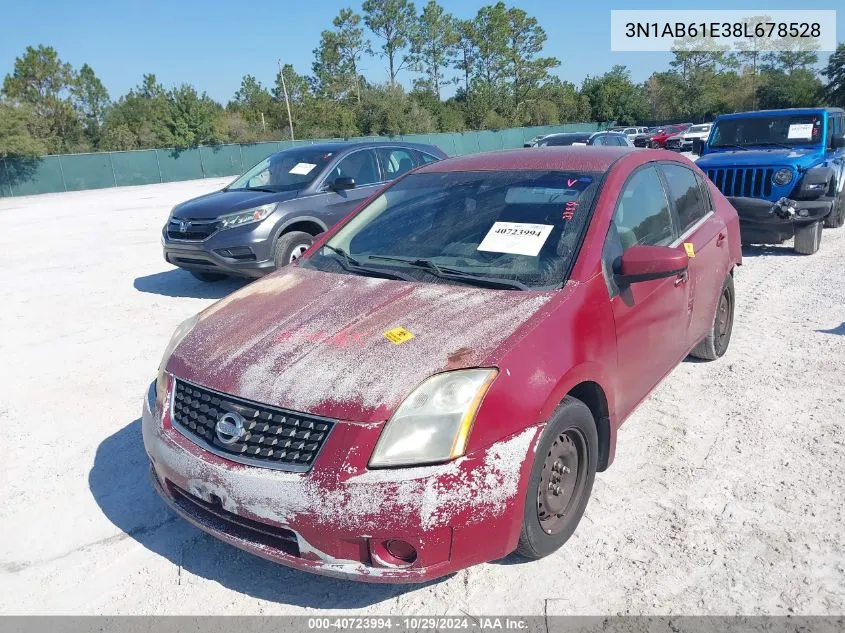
783	171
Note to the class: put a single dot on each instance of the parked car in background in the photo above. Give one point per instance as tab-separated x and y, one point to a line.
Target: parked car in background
437	381
656	137
270	215
630	132
783	171
683	142
579	138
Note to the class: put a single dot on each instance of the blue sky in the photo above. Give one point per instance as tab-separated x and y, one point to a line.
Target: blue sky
212	44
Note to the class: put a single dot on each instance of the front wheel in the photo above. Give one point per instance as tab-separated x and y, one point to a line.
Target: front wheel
290	247
561	480
836	217
715	344
808	238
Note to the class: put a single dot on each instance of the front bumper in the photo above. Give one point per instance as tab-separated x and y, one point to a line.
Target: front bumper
759	225
335	519
252	256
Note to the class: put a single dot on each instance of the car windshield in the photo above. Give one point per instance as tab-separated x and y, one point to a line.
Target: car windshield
781	129
289	170
564	139
516	229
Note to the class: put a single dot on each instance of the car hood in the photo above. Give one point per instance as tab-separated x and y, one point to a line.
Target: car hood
773	156
315	342
218	203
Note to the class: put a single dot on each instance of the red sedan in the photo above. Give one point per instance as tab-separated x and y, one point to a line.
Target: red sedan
437	381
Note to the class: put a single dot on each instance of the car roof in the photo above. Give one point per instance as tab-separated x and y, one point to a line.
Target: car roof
338	146
561	134
763	113
578	158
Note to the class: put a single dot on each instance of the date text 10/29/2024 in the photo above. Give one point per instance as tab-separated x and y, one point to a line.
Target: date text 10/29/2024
417	623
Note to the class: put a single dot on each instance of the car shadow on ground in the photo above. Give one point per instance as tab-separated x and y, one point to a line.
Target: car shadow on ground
839	329
769	249
179	283
119	482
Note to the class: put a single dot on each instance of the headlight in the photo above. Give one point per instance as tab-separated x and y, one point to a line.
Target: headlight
433	423
782	177
255	214
180	333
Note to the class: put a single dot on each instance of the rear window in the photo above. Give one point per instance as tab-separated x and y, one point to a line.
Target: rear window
514	225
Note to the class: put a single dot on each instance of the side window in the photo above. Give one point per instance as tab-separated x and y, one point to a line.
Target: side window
600	140
360	165
686	195
427	158
395	161
642	212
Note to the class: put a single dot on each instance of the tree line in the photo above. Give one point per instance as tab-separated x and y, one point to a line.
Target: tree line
494	60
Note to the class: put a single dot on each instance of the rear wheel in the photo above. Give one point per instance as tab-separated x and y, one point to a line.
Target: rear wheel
561	480
290	247
208	277
808	238
715	344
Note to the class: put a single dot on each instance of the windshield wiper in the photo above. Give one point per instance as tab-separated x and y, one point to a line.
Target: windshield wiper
453	273
264	189
352	265
775	145
742	147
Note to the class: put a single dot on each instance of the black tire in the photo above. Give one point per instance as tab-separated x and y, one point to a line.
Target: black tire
836	217
290	246
571	431
715	344
208	277
808	238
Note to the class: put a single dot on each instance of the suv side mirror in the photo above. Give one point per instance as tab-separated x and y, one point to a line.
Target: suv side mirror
644	263
697	146
342	183
837	142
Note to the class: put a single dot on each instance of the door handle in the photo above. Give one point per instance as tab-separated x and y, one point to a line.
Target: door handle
682	279
721	239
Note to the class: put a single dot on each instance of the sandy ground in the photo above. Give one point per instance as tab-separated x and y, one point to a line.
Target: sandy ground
726	496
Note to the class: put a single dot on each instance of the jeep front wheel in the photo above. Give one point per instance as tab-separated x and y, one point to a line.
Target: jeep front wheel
808	238
836	217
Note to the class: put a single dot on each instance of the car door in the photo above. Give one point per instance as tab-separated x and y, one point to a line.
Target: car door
650	316
706	234
362	165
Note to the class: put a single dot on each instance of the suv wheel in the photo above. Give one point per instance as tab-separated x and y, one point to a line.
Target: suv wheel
836	217
561	480
808	238
290	247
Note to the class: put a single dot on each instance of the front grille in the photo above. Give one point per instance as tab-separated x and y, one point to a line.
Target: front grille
752	182
215	517
274	438
195	230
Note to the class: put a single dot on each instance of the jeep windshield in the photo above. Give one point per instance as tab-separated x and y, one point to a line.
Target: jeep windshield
507	229
781	129
286	171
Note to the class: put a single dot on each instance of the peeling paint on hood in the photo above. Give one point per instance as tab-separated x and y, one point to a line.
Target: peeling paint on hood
314	341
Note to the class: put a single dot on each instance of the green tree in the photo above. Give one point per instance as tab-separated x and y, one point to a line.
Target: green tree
614	97
16	139
194	118
525	68
433	44
834	72
489	35
254	103
336	71
393	21
799	89
791	54
90	100
465	51
142	118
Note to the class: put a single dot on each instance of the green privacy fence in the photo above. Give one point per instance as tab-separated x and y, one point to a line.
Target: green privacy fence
75	172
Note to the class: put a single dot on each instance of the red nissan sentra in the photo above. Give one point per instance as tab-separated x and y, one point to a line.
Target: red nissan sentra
437	381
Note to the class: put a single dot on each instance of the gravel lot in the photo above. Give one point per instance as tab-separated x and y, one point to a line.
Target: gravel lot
726	496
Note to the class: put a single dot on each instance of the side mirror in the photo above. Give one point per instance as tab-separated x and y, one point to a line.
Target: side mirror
342	183
644	263
837	142
697	146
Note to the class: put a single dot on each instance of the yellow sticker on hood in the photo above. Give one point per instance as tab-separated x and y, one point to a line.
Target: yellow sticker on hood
398	335
690	249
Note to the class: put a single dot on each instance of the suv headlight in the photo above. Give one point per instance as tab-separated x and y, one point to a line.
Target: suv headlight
433	423
248	216
181	332
782	177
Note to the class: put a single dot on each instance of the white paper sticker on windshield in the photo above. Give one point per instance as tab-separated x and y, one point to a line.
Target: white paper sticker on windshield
800	130
301	169
516	238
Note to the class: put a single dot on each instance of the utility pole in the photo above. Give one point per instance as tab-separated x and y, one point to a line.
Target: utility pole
287	101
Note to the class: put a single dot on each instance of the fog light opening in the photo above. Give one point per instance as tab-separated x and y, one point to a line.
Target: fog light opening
394	553
401	550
